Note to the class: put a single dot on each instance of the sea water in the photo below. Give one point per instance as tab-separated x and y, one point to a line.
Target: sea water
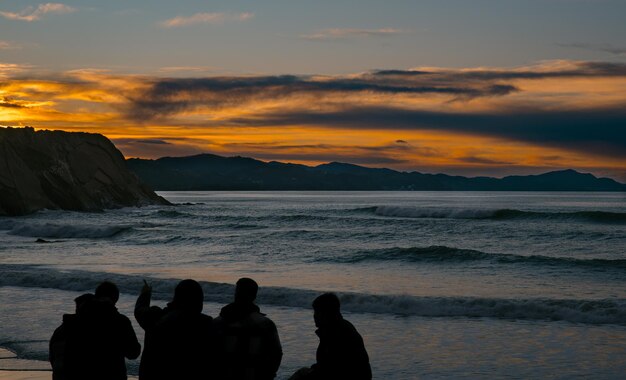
457	285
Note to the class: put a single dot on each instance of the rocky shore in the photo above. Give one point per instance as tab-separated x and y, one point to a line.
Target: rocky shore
65	170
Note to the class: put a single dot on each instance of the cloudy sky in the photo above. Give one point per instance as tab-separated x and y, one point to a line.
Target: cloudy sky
471	87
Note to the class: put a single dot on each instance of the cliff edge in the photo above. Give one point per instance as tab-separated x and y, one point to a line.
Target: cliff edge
65	170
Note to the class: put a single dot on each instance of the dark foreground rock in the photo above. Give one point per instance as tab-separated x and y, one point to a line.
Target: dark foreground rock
64	170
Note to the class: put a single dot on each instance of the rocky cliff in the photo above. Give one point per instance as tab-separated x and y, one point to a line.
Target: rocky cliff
63	170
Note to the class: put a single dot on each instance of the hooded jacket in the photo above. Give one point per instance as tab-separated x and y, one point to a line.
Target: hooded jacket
58	347
248	343
341	353
178	342
93	344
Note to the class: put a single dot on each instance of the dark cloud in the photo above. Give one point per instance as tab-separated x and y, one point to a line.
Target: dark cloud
334	102
407	73
579	69
417	150
275	146
167	97
482	161
171	96
152	141
328	147
607	48
8	103
133	148
599	131
129	141
385	148
551	158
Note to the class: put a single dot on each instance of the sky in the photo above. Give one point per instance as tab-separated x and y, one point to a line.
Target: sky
467	87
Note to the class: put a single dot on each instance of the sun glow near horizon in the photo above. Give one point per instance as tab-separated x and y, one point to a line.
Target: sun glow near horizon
482	121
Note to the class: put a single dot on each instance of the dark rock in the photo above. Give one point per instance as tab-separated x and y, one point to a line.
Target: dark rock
64	170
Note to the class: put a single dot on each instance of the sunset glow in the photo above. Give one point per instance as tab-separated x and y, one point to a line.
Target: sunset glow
472	120
305	190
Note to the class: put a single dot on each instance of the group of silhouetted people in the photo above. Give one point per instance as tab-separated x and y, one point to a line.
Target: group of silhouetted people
93	342
183	343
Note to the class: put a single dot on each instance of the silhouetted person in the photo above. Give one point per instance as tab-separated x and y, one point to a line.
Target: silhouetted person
97	339
341	353
179	338
58	342
249	347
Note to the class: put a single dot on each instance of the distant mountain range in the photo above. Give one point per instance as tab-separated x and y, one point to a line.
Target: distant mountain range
212	172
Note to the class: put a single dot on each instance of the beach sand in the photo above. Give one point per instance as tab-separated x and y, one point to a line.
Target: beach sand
13	368
9	362
25	375
31	375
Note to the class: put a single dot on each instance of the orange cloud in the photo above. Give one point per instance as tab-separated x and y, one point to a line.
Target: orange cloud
480	120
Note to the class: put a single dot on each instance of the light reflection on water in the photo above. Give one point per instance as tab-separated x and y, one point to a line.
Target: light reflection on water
339	241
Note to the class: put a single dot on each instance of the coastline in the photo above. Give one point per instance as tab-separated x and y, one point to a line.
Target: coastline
31	375
11	362
14	368
25	375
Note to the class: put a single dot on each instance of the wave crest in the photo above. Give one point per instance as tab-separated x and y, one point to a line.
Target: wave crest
170	214
496	214
443	254
606	311
65	231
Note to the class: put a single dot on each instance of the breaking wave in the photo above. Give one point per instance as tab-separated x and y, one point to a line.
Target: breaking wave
497	214
435	254
170	214
606	311
66	231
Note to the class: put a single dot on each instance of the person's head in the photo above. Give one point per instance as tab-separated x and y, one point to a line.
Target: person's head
108	291
188	296
246	290
326	309
82	300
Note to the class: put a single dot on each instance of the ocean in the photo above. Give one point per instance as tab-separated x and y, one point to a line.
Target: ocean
441	285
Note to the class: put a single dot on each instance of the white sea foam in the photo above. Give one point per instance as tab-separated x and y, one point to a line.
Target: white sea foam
607	311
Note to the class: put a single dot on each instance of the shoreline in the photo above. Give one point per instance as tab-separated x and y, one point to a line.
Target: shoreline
25	375
18	374
12	367
10	361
